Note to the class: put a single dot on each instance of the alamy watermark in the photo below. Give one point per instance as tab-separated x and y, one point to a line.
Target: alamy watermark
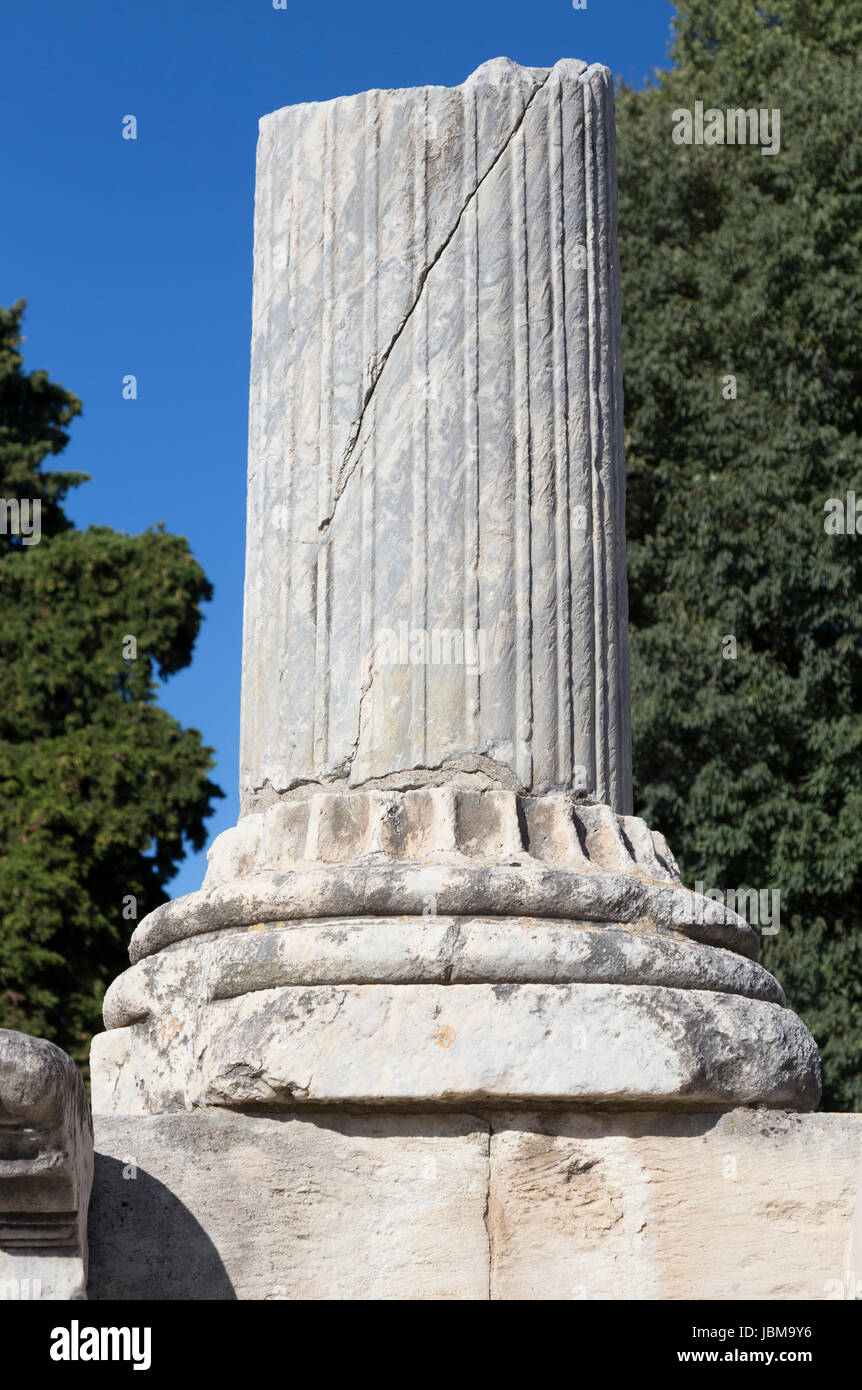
759	908
735	126
436	646
77	1343
18	1290
21	518
844	515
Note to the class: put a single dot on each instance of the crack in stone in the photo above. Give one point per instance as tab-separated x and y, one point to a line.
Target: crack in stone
452	946
339	1007
500	777
486	1214
363	691
293	1088
344	477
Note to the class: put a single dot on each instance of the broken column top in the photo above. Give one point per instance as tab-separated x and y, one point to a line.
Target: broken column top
435	577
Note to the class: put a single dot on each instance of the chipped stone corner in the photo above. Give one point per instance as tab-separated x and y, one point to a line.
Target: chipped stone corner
46	1171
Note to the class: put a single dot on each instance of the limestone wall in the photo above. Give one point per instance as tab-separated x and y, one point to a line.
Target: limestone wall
555	1205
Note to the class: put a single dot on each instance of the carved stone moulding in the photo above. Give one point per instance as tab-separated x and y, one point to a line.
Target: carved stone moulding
540	950
46	1171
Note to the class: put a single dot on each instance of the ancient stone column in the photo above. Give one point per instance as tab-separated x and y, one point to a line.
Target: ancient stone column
436	586
436	895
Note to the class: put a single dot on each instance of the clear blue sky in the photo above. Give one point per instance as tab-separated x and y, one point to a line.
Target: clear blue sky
135	256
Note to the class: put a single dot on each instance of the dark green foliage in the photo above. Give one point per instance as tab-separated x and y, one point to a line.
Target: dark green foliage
98	785
34	413
735	262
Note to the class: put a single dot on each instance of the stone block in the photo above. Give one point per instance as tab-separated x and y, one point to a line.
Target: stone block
46	1169
555	1204
216	1206
744	1205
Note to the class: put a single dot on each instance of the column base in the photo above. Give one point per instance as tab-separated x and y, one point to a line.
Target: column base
442	948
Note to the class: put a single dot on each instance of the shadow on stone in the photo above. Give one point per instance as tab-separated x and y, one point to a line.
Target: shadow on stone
142	1238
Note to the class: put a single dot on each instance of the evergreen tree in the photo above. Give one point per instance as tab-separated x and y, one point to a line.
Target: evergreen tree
99	787
741	265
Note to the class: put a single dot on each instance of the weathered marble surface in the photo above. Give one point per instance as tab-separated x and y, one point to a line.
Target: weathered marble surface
548	935
553	1205
747	1205
224	1206
46	1170
441	829
436	441
438	950
438	824
443	853
457	1045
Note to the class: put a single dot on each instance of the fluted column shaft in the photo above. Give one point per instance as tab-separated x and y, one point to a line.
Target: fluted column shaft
435	584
